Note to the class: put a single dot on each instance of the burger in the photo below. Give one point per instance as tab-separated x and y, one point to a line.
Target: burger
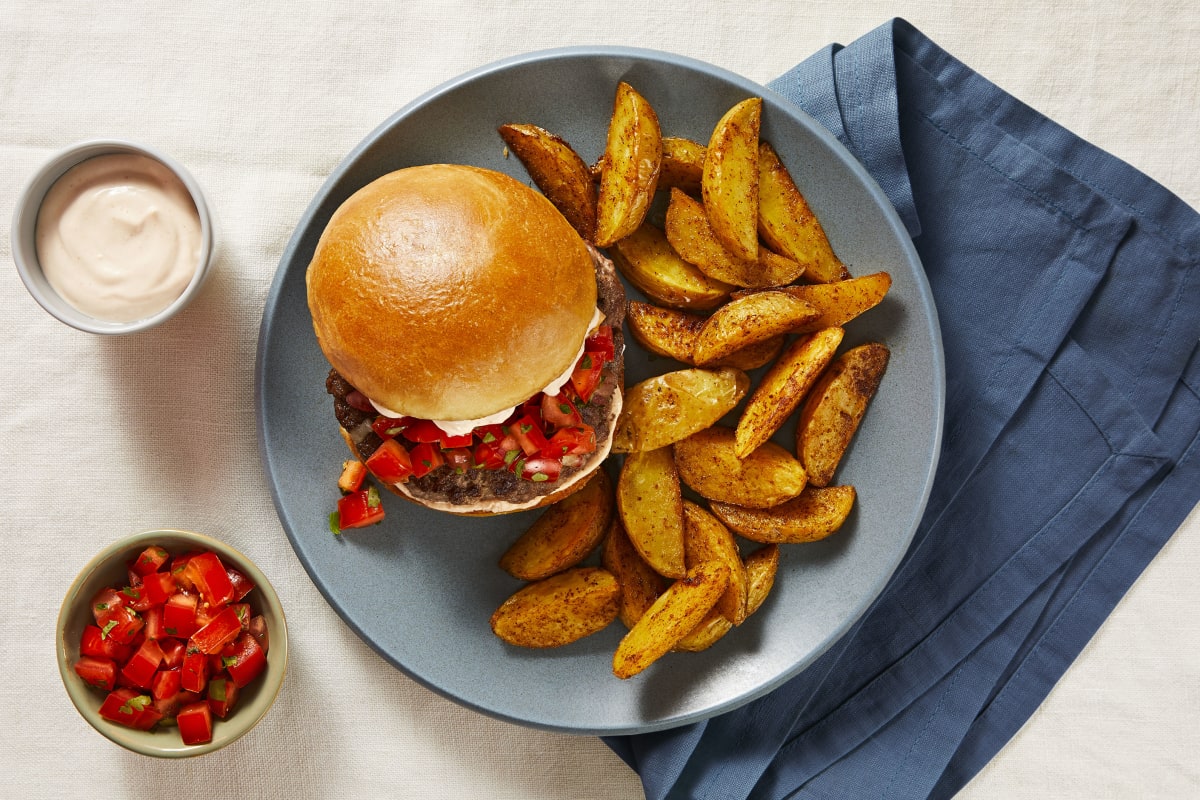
474	339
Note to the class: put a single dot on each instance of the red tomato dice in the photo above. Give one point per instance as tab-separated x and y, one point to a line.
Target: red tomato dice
528	433
140	668
166	684
390	462
131	708
247	660
97	671
179	615
153	617
209	575
150	560
559	410
221	629
540	469
360	509
173	652
587	374
195	671
426	457
242	585
157	587
95	643
601	343
195	723
575	440
258	629
222	695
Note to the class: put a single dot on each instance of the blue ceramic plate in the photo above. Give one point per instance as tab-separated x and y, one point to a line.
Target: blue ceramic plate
421	587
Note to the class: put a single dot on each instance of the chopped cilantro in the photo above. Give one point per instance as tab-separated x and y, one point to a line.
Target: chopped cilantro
135	704
108	626
539	477
333	523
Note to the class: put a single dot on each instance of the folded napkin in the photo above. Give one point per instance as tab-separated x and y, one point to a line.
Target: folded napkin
1068	291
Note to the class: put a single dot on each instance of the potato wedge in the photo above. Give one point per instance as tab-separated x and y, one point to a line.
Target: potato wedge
765	478
650	504
629	168
682	164
784	386
707	633
788	225
729	184
835	407
671	333
706	539
560	609
814	515
666	408
761	566
747	321
647	261
564	534
691	236
640	584
676	612
558	171
839	302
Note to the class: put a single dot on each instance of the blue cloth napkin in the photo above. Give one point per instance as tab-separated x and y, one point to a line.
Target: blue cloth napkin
1068	290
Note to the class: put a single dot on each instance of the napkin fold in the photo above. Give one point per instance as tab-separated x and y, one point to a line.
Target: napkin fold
1068	295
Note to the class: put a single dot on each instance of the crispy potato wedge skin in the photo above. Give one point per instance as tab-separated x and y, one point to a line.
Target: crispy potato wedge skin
558	171
761	567
746	321
784	386
817	513
838	303
674	614
647	261
629	168
560	609
789	226
666	408
564	534
650	504
835	407
706	539
706	634
730	178
691	236
682	164
671	333
708	464
640	584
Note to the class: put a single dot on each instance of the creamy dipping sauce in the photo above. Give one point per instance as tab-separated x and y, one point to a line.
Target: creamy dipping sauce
118	237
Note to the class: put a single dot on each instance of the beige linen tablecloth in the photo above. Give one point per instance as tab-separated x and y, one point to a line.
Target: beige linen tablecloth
104	437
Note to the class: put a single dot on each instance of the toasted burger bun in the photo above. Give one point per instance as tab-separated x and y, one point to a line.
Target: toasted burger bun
449	292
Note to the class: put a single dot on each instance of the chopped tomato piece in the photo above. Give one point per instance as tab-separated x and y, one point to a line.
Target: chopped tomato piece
559	410
179	615
541	469
157	587
153	617
173	652
222	629
576	440
488	455
353	474
242	585
97	671
195	723
95	643
528	433
150	560
601	342
131	708
390	462
222	694
360	509
425	459
390	427
105	603
258	629
459	459
423	431
490	434
136	598
121	625
166	683
140	668
246	660
587	374
209	575
195	670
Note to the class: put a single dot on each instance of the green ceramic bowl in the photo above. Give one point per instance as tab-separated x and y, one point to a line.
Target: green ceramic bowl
109	568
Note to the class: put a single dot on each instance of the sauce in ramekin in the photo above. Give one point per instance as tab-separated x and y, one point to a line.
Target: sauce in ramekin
118	237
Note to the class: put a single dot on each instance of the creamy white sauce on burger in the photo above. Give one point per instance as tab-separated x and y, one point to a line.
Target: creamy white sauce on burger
459	427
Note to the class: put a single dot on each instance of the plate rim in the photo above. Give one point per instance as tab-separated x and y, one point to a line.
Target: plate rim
924	294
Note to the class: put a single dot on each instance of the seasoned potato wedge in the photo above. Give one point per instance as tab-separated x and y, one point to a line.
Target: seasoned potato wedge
682	164
765	478
560	609
789	226
666	408
564	534
691	236
729	183
783	387
671	333
761	566
815	514
746	321
647	261
706	634
706	539
629	168
835	407
558	171
651	507
640	584
676	612
838	303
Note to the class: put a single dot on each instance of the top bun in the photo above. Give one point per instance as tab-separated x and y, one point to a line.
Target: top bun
450	292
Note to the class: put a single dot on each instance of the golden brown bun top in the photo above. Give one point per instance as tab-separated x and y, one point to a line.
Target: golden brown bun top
450	292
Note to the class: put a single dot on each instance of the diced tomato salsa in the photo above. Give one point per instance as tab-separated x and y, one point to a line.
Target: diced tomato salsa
178	644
